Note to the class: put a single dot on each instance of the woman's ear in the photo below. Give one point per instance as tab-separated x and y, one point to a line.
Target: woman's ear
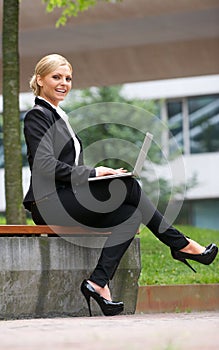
39	80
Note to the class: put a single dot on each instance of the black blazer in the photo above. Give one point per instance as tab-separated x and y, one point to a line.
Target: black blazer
51	153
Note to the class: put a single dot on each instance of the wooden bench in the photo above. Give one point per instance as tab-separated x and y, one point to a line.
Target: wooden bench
48	230
11	230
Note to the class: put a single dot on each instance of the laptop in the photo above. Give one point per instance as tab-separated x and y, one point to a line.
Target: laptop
138	165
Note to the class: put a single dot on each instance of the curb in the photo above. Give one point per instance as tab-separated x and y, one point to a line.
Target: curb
178	298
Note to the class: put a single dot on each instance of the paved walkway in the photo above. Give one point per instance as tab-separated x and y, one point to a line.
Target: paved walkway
177	331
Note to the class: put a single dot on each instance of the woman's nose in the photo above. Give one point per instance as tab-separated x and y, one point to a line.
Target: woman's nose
63	81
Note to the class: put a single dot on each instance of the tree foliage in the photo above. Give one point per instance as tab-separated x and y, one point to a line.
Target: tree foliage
71	7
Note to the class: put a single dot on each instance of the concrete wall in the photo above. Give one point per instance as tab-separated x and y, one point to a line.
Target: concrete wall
41	277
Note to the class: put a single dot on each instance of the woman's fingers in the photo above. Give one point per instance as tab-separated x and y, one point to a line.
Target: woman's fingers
102	171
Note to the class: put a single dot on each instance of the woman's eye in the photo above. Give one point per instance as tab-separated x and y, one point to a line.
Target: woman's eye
55	77
68	79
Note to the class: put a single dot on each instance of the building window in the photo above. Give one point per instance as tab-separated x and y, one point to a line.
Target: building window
175	121
194	123
204	124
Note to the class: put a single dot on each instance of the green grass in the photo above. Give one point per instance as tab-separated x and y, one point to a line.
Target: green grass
158	267
3	221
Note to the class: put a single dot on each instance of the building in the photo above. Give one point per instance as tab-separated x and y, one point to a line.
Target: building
190	107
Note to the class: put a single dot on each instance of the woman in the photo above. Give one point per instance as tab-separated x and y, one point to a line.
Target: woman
59	183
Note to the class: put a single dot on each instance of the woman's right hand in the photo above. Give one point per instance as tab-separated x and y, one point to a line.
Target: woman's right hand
102	171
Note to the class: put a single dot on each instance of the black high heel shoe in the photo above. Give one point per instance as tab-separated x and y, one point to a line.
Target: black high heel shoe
206	258
109	308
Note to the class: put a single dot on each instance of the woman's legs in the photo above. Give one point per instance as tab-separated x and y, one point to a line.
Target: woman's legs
151	218
122	235
123	222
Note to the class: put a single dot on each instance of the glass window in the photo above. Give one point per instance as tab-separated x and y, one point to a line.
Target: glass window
204	123
175	121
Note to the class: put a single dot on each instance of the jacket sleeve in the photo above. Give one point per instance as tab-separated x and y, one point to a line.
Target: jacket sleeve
39	132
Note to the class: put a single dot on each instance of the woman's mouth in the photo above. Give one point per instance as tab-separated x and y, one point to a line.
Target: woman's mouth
61	91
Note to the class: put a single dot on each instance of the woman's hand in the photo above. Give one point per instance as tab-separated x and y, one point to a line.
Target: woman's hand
102	171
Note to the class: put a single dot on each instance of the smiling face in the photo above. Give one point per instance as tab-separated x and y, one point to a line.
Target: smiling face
55	86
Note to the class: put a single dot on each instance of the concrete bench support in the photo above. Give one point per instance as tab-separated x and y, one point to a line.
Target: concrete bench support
41	276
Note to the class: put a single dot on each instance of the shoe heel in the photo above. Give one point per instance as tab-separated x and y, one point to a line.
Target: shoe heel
108	308
186	263
87	297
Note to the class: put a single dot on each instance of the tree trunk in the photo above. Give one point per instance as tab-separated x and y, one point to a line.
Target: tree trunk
11	114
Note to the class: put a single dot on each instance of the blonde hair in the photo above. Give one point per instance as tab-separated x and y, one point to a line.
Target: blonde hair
45	66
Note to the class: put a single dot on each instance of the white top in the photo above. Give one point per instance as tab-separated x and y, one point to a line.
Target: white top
64	116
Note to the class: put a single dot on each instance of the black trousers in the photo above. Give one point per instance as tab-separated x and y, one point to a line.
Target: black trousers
116	205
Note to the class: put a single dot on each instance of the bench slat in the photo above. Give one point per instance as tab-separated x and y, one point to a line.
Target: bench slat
44	229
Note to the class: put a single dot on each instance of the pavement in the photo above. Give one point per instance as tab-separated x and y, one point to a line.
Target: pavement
169	331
